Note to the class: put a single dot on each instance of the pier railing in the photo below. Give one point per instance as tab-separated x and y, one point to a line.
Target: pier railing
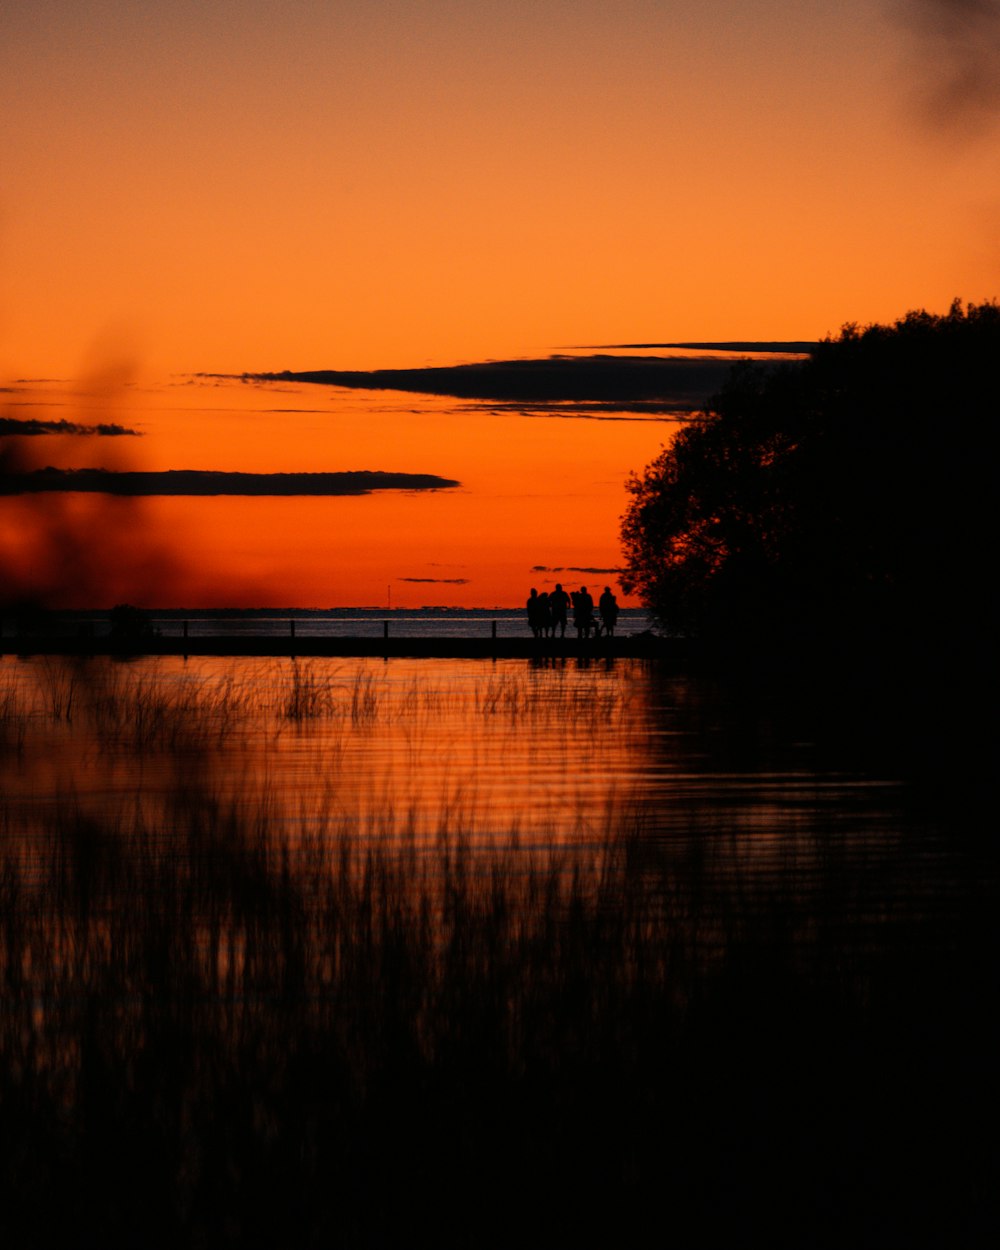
496	637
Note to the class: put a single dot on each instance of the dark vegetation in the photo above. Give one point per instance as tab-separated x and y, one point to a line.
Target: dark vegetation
218	1030
841	506
208	1041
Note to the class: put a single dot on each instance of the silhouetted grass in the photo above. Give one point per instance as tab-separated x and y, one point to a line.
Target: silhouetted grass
209	1039
216	1030
13	718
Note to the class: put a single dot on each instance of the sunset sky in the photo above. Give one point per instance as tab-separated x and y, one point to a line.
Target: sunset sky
226	188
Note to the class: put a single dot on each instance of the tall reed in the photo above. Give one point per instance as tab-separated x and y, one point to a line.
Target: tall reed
225	1025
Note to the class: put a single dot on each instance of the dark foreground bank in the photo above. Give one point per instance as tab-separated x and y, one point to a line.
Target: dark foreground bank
232	1045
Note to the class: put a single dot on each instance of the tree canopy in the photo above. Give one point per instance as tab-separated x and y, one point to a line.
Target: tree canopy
849	495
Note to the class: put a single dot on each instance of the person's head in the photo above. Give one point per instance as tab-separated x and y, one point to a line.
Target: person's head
534	592
558	585
583	590
607	590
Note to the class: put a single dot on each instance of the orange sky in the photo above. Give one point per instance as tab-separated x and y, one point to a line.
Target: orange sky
230	185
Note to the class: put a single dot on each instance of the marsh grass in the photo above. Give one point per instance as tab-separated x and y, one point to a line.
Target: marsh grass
58	682
223	1027
212	1036
307	696
14	718
134	712
508	695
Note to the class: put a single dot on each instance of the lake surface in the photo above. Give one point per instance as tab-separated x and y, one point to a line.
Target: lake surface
292	949
503	753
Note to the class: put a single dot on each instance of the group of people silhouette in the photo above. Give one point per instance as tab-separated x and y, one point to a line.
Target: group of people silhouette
549	611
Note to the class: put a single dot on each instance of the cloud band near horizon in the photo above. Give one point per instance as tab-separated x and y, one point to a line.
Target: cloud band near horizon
209	482
33	427
437	581
675	384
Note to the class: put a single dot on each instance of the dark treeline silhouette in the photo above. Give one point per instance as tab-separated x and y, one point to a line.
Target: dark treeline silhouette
842	504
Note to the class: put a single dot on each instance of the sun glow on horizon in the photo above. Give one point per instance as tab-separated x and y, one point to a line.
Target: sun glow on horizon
219	189
533	491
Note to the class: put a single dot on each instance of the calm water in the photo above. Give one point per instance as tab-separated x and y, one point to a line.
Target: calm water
500	752
337	941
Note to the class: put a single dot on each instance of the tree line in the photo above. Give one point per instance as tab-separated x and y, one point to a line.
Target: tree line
847	498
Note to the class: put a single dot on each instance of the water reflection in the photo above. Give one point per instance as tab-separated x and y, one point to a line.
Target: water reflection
553	752
724	801
298	948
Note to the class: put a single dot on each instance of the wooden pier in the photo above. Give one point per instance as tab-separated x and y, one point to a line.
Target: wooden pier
624	647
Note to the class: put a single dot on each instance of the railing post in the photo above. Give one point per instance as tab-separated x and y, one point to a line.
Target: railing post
292	624
385	630
185	629
494	631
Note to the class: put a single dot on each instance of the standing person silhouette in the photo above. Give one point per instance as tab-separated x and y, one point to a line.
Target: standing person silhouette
534	611
583	613
608	607
544	614
559	606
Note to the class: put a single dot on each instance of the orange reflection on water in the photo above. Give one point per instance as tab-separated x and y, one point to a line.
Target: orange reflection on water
355	748
624	780
489	752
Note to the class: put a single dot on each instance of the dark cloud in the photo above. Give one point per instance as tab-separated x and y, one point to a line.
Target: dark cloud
652	410
437	581
573	568
958	69
203	482
790	347
32	427
676	383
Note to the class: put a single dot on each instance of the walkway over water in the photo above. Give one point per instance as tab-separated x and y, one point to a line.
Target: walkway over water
618	647
432	632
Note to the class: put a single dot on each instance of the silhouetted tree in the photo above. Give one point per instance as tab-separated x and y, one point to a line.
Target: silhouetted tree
849	496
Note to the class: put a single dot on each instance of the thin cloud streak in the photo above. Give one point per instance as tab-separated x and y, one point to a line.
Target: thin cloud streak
33	427
573	568
208	482
790	347
436	581
652	411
